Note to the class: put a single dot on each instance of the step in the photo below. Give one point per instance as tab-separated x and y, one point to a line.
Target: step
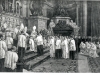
29	52
35	62
32	56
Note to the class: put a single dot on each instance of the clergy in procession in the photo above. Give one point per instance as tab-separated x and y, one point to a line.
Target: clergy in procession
72	48
93	49
82	47
7	63
87	49
52	47
34	33
3	50
21	45
58	47
39	40
65	53
14	59
15	35
31	44
11	59
9	41
21	49
4	26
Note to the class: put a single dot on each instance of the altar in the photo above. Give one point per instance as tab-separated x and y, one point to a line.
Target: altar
65	26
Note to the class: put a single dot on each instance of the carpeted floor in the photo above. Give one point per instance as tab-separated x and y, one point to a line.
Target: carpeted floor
94	64
58	65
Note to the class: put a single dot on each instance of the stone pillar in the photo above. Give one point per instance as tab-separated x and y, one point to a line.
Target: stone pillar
84	18
13	7
24	8
77	15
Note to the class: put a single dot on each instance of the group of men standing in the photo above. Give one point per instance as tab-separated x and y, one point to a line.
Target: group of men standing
89	48
13	45
62	47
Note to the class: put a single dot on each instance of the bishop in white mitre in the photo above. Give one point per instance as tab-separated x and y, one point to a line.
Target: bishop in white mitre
31	44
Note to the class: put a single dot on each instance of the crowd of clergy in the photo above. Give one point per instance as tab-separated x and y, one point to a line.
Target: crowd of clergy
62	47
89	48
13	45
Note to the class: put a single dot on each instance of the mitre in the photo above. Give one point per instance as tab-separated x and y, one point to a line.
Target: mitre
22	26
25	29
34	27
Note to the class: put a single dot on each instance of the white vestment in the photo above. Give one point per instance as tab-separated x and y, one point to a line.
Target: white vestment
87	49
9	42
93	52
14	60
58	44
82	48
5	25
21	27
52	47
22	41
8	57
3	49
31	42
65	49
39	40
72	45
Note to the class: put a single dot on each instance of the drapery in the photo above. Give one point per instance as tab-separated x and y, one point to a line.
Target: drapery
95	18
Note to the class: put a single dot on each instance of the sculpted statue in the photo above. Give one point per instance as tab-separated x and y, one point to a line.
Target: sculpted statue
34	33
35	8
61	11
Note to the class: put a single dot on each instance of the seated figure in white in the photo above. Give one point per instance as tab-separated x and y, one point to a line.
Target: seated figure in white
93	52
82	48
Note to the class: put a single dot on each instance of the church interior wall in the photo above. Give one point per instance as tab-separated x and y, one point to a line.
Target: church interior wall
48	9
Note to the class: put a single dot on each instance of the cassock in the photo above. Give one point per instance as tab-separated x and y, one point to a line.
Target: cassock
76	43
72	49
21	45
31	43
39	40
52	47
3	50
58	52
15	36
79	42
65	49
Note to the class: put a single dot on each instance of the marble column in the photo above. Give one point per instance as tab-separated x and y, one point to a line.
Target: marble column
13	6
84	18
